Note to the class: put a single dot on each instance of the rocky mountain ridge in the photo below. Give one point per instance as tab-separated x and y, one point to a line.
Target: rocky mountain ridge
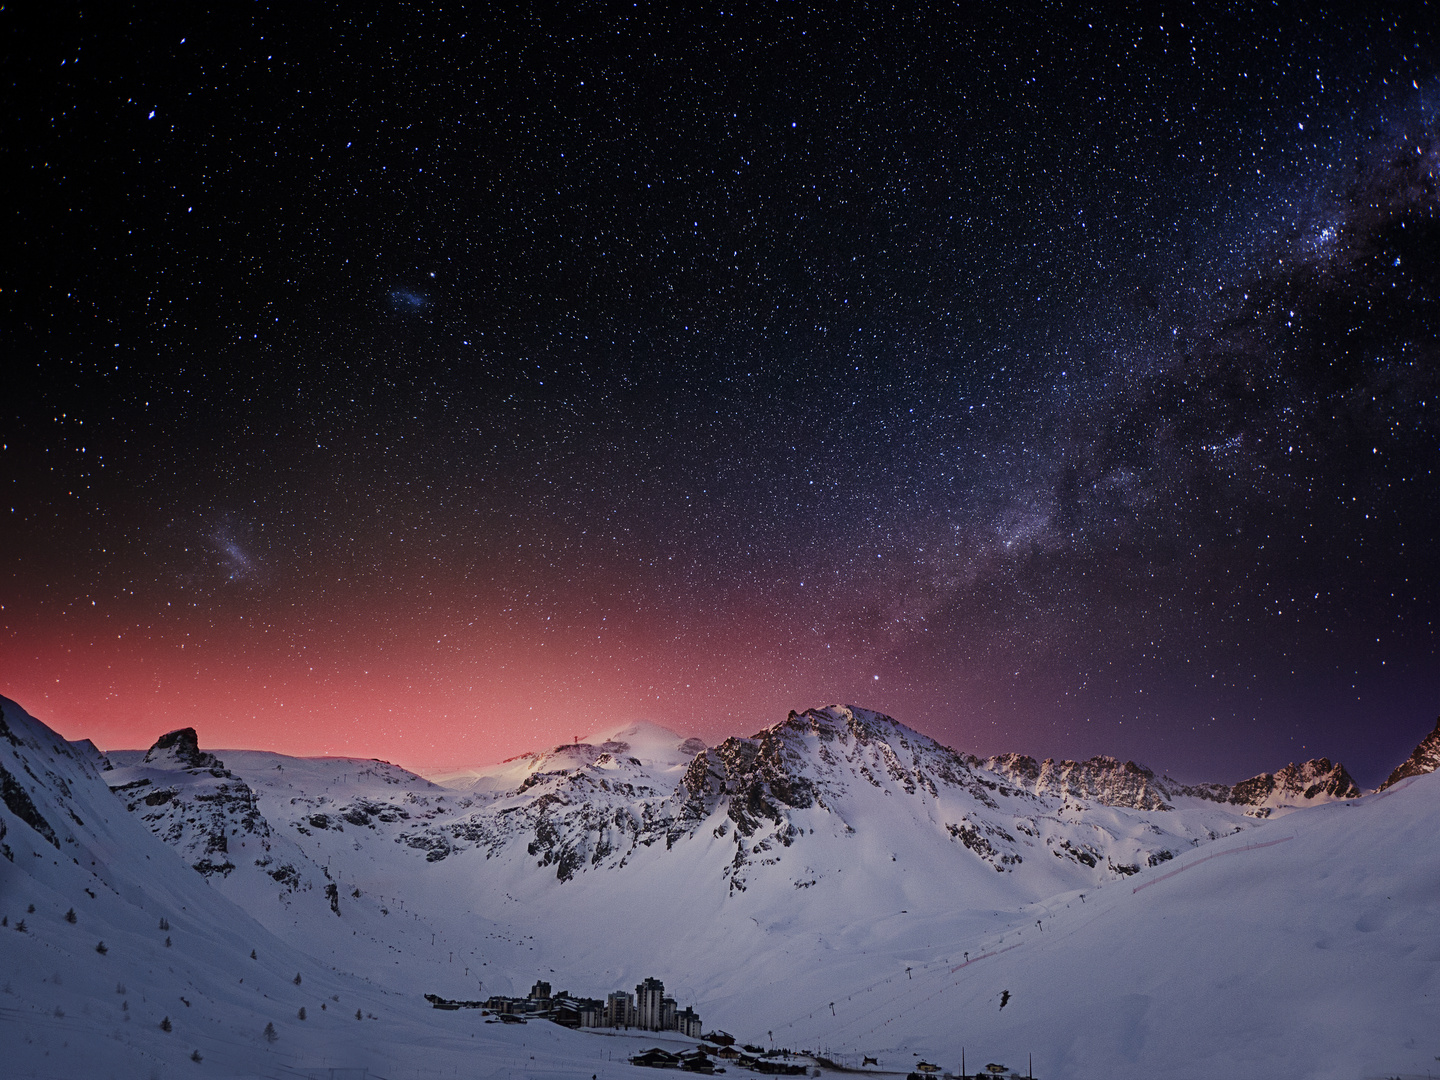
777	798
1425	758
1111	782
591	805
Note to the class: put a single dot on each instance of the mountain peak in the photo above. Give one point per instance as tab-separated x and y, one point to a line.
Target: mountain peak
180	747
864	724
1425	758
645	740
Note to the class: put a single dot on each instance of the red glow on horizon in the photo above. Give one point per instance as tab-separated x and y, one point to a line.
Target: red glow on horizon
424	698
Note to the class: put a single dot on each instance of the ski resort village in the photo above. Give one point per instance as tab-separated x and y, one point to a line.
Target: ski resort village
839	890
647	1009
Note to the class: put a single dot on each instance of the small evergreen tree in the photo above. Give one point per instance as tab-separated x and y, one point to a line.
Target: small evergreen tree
20	926
164	924
270	1035
301	1013
252	954
167	943
70	915
195	1057
358	1016
297	978
30	910
101	949
165	1025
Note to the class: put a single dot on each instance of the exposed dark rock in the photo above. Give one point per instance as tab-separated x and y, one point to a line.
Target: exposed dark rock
20	804
184	747
1424	759
1317	778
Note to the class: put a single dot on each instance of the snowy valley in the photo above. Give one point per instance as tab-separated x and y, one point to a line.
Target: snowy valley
836	883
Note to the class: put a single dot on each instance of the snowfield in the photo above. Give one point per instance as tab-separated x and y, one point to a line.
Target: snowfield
837	883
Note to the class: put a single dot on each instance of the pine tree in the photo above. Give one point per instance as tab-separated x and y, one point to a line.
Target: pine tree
167	943
252	954
358	1016
301	1014
270	1032
20	926
195	1057
101	949
70	915
164	924
165	1025
297	978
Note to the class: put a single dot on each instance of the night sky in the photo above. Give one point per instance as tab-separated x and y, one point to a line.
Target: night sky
437	385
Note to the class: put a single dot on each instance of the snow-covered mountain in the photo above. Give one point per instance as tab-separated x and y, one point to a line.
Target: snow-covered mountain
837	879
118	958
757	807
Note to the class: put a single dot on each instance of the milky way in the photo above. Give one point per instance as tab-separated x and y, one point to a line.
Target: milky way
437	388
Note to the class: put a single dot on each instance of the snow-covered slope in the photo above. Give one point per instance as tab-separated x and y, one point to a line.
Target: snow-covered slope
1308	947
118	959
837	879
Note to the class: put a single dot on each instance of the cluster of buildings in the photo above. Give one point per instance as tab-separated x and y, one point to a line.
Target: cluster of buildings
648	1009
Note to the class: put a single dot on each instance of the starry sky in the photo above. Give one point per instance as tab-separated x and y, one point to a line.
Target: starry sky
440	384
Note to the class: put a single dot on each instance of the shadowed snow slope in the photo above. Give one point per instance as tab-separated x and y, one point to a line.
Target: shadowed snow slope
78	872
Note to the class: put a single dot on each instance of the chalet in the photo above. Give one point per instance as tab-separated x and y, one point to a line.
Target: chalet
573	1012
696	1061
772	1068
447	1003
655	1058
720	1038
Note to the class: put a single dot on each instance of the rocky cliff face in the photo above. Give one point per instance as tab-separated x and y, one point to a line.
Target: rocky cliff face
1105	780
585	805
191	801
1424	759
1310	781
1110	782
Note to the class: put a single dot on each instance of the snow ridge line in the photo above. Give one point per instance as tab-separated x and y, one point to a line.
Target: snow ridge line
1389	791
1207	858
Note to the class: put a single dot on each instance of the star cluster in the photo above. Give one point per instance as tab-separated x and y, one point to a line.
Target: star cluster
436	385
